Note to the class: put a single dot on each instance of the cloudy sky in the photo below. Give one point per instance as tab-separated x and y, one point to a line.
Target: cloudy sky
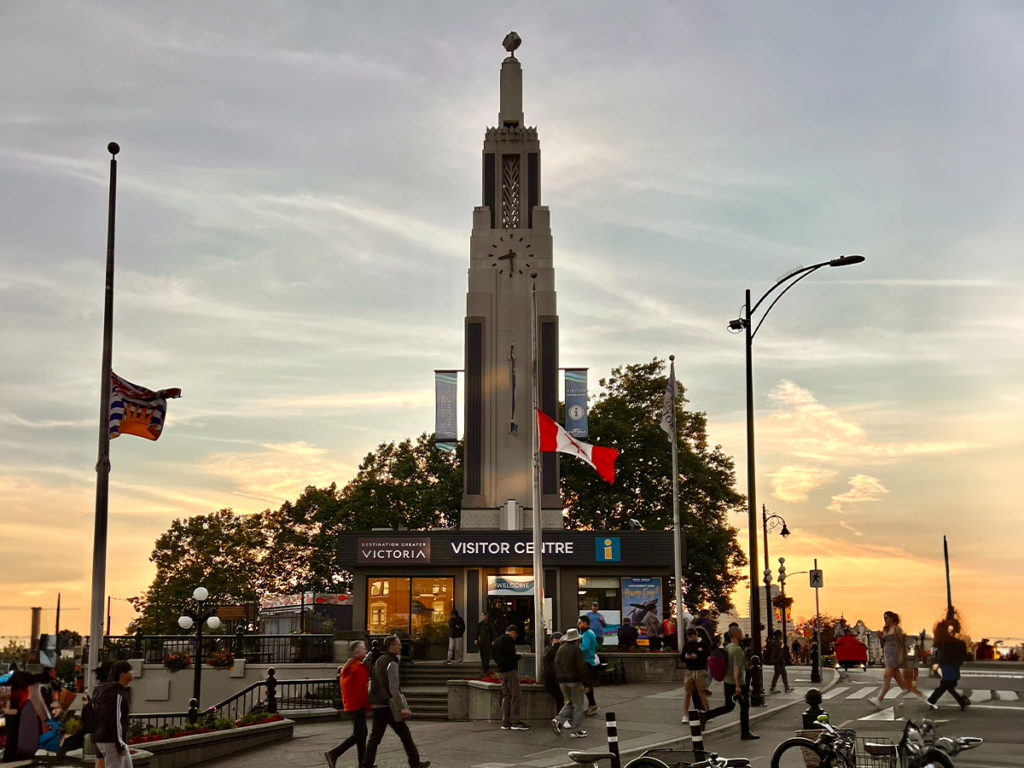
296	182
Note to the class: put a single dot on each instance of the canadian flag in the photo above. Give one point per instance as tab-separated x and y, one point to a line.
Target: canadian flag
554	438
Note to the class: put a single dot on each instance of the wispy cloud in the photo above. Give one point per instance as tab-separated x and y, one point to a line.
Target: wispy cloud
279	471
863	490
793	482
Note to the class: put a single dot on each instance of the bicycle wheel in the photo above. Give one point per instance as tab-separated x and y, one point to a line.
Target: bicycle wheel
799	752
646	762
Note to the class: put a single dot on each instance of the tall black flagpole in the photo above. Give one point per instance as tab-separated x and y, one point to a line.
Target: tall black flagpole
949	593
99	544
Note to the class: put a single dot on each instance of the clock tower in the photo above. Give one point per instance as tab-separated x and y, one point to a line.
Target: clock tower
510	257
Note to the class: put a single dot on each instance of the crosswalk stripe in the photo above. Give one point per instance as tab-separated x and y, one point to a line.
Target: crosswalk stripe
835	692
892	693
1006	695
861	693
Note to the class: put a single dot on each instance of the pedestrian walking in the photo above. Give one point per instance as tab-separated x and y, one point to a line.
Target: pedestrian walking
952	653
354	680
894	651
507	660
777	654
111	703
484	638
572	672
588	644
548	676
735	689
695	658
456	637
389	706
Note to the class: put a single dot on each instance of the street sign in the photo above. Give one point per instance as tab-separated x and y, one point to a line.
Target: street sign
816	578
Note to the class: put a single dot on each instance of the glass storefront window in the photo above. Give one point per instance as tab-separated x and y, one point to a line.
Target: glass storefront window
432	603
387	606
416	608
606	591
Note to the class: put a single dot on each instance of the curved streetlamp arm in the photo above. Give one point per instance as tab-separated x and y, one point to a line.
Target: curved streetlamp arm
790	276
807	271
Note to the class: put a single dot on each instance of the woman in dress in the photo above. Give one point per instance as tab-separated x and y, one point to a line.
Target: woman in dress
894	654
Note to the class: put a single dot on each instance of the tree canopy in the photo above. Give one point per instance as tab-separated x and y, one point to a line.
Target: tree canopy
626	415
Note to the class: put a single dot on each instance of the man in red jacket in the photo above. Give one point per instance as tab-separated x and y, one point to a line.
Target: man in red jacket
355	683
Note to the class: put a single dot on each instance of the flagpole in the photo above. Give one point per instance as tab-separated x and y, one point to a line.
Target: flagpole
677	538
538	546
99	544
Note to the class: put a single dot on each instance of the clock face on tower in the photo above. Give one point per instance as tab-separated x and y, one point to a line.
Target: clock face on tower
510	256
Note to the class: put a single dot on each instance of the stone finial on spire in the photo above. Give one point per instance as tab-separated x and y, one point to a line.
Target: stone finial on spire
511	42
511	110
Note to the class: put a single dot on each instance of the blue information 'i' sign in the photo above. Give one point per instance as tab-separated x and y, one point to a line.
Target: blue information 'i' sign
607	549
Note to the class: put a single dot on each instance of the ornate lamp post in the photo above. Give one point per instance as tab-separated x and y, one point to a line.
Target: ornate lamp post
744	323
196	615
770	523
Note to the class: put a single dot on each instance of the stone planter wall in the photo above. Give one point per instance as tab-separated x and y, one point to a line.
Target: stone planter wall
477	700
646	667
185	751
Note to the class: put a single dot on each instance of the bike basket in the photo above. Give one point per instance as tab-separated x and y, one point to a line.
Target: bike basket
877	752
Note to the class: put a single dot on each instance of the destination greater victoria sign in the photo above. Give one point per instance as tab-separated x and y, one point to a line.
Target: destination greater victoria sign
414	548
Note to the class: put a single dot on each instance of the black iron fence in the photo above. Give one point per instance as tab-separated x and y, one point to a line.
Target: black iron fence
256	649
270	695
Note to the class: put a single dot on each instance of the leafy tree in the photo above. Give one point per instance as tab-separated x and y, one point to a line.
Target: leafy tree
222	551
408	485
14	652
626	415
67	638
826	627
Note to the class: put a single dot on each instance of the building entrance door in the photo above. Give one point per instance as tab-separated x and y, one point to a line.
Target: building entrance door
504	610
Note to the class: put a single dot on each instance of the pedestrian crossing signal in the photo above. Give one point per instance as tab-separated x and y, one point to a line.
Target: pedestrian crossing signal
816	579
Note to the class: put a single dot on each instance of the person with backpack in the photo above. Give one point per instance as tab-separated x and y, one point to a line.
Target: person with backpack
389	707
354	680
735	687
777	654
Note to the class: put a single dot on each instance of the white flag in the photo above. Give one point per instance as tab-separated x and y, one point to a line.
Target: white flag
668	411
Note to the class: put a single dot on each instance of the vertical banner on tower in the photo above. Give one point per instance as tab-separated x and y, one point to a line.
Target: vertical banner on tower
446	428
576	402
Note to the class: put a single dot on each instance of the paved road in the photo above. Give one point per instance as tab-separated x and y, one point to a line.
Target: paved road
649	714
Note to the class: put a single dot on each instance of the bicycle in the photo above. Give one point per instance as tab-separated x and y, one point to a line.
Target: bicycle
652	758
842	748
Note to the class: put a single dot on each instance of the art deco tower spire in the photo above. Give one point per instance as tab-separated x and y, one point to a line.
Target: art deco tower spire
510	253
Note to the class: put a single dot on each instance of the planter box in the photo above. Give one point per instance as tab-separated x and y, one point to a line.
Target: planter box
483	701
198	748
647	667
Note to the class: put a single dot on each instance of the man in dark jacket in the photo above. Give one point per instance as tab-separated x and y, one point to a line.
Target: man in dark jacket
627	635
111	705
548	674
456	639
695	657
389	706
507	659
484	638
571	671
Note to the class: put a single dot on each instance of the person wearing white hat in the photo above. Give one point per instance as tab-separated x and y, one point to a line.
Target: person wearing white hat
571	672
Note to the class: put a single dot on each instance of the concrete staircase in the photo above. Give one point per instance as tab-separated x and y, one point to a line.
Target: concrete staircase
425	685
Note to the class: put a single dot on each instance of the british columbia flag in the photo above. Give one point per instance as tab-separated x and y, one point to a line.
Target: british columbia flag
135	410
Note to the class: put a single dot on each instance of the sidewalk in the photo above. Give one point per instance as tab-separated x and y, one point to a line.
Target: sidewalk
648	715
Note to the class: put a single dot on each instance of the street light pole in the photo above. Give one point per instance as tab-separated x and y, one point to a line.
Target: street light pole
197	617
767	522
745	324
